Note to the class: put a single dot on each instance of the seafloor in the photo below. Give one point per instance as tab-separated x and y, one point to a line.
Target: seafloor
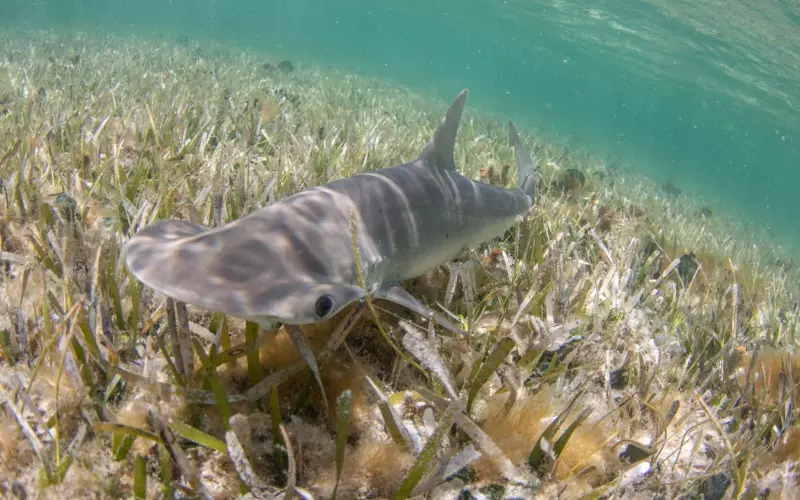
625	341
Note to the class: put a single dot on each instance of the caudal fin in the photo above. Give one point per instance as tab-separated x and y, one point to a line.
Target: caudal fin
439	151
526	168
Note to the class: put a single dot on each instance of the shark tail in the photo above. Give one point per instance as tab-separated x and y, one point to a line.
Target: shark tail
526	168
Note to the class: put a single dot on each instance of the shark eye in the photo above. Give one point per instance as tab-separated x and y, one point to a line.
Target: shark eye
324	306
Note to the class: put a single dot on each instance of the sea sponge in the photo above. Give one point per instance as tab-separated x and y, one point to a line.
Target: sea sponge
571	183
15	450
587	453
372	469
773	376
779	468
490	176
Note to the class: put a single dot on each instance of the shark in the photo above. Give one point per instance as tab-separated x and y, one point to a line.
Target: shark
294	261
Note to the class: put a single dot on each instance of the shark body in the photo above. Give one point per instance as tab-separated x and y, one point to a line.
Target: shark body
293	262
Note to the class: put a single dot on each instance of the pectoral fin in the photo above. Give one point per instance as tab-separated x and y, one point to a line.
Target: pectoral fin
400	296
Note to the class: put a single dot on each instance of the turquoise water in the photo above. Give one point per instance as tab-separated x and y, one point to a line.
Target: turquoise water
703	93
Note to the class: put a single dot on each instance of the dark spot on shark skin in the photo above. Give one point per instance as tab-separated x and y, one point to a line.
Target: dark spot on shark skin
286	66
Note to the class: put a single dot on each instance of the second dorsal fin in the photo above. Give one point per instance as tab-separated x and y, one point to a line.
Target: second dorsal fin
526	167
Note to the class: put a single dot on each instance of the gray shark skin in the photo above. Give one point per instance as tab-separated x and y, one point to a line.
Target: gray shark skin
293	262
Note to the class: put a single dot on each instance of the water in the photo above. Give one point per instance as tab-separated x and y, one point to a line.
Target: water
703	93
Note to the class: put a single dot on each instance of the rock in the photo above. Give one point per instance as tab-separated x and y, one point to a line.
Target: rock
687	267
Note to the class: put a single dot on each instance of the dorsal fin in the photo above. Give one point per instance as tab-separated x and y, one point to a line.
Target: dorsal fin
439	151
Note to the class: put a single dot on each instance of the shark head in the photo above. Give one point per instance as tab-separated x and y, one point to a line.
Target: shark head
230	270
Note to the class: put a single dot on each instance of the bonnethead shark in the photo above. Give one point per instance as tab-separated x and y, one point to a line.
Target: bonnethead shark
293	261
